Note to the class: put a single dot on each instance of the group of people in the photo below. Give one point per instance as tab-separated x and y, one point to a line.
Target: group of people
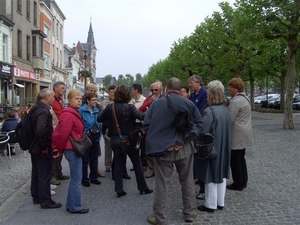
156	145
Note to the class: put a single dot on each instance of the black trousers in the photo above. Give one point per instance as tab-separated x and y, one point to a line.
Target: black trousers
40	178
118	167
239	168
134	139
90	158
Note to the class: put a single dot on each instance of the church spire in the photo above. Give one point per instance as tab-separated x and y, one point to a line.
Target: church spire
90	38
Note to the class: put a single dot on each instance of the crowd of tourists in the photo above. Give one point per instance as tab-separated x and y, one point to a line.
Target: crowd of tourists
157	146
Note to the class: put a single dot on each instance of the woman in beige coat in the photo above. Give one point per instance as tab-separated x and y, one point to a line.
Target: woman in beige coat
240	112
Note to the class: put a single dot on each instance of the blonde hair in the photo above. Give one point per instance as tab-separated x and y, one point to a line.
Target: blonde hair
73	93
90	86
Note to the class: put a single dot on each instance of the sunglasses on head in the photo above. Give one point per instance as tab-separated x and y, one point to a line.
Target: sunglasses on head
154	89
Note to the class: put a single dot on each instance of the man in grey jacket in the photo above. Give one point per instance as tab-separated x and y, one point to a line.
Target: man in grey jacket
171	149
240	112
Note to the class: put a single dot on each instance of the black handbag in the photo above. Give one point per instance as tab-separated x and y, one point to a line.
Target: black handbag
124	141
81	146
205	143
183	120
93	133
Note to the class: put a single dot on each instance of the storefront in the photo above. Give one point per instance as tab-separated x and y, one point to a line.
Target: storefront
31	82
6	75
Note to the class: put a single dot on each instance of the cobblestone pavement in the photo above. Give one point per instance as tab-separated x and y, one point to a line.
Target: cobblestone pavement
272	195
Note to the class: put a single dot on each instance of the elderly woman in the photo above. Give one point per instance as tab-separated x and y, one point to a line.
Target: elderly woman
214	172
240	112
71	124
126	115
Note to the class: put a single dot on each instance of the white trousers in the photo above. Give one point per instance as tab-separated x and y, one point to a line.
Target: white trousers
215	194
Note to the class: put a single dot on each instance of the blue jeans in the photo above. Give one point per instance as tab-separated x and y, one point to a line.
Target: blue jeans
73	203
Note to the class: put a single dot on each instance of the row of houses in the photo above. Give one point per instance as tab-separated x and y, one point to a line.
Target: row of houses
33	55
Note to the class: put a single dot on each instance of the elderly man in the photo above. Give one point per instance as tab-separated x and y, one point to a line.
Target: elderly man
59	89
41	151
171	150
199	98
156	90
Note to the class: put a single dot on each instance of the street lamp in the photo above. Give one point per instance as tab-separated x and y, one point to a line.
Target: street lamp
84	73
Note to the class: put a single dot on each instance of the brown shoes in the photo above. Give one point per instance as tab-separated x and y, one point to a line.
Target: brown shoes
107	169
150	174
52	205
63	177
100	174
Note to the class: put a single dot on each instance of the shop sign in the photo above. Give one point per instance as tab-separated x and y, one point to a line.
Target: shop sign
4	68
26	74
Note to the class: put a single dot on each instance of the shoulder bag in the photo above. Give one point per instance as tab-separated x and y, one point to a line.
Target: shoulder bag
81	146
183	120
124	141
205	142
94	132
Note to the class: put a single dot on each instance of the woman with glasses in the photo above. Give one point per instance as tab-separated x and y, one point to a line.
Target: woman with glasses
89	113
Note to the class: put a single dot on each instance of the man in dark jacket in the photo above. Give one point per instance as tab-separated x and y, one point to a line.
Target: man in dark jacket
171	149
41	151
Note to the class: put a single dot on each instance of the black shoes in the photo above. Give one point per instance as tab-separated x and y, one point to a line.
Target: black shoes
51	205
81	211
121	193
96	182
220	207
147	191
203	208
126	177
233	187
86	184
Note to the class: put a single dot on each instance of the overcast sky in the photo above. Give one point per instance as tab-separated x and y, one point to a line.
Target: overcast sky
132	35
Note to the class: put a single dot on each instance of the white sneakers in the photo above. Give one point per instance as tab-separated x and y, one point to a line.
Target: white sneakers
52	187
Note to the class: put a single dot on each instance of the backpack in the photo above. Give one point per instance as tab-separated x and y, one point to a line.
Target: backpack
24	132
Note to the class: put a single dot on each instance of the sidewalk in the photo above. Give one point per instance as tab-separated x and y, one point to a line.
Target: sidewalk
272	195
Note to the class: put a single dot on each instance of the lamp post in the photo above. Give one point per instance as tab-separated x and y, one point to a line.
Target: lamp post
84	73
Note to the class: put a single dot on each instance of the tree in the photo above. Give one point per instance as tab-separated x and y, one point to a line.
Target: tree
107	81
280	20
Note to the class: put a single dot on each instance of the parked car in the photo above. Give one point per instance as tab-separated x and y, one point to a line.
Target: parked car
258	99
272	102
296	102
271	97
277	103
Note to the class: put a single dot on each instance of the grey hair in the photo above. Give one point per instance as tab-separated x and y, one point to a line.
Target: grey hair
196	78
174	84
57	84
44	93
216	84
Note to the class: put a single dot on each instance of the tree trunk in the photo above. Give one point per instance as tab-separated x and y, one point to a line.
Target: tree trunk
291	78
282	90
252	91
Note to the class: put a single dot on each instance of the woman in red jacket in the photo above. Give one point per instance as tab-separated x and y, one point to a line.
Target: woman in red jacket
71	124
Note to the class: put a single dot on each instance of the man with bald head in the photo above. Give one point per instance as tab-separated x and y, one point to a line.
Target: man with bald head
41	150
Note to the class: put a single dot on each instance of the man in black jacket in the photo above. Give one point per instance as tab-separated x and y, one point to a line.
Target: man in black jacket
41	150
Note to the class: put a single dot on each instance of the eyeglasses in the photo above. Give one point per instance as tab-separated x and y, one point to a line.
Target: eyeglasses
154	90
93	99
93	90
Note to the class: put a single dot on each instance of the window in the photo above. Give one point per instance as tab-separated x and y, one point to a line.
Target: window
28	10
46	61
47	32
53	27
57	34
35	13
61	34
19	43
28	48
41	50
5	48
19	6
33	46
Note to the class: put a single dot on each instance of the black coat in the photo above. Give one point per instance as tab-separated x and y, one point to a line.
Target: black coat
126	115
41	120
